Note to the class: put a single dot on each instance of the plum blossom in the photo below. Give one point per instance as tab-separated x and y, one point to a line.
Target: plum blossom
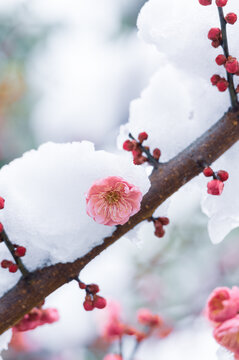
227	335
223	304
112	200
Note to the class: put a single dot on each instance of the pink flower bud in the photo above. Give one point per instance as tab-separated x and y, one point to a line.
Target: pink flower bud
222	304
112	357
221	60
99	302
222	85
128	145
214	34
142	136
223	175
214	79
215	187
232	65
2	201
208	172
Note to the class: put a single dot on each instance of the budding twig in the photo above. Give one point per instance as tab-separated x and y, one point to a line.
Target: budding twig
151	159
232	91
17	259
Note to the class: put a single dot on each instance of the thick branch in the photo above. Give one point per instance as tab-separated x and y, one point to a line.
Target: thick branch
165	181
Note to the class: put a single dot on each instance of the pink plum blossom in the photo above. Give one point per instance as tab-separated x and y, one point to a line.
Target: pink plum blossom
222	304
227	335
145	317
111	201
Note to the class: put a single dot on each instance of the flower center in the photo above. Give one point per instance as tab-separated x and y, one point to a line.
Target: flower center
112	197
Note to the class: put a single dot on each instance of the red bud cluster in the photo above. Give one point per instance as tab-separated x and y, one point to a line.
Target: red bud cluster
137	148
159	223
215	186
221	83
92	300
215	35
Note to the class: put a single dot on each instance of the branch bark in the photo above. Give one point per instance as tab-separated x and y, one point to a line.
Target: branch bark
165	180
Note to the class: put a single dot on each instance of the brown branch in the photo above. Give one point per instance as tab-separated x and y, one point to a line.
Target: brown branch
165	181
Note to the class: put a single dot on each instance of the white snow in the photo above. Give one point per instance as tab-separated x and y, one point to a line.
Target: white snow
5	338
45	208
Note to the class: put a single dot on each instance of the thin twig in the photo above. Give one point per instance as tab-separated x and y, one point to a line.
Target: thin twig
150	157
232	91
17	259
135	349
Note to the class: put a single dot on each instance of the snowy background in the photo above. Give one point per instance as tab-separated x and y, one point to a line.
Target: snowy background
76	70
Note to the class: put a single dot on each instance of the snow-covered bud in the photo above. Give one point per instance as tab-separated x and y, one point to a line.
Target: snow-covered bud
208	172
215	187
232	65
20	251
214	34
221	59
223	175
13	268
99	302
215	78
156	153
142	136
231	18
222	85
2	201
205	2
128	145
221	3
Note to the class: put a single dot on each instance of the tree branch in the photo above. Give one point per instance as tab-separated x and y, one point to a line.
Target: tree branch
165	181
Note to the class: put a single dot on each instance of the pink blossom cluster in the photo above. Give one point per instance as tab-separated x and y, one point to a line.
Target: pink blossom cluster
223	312
112	200
37	317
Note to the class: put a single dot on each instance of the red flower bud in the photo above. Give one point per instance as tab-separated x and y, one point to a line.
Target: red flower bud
205	2
5	264
82	285
221	3
1	227
88	305
223	175
215	187
207	172
232	65
214	34
99	302
222	85
2	201
142	136
216	43
156	153
164	220
215	78
221	60
231	18
20	251
128	145
13	268
93	288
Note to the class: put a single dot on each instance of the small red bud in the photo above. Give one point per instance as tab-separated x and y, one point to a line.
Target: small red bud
205	2
156	153
214	34
82	285
159	233
13	268
215	187
139	160
2	201
222	85
128	145
231	18
20	251
207	172
88	305
164	220
221	3
215	78
223	175
142	136
99	302
221	59
232	65
93	288
5	264
216	43
1	227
